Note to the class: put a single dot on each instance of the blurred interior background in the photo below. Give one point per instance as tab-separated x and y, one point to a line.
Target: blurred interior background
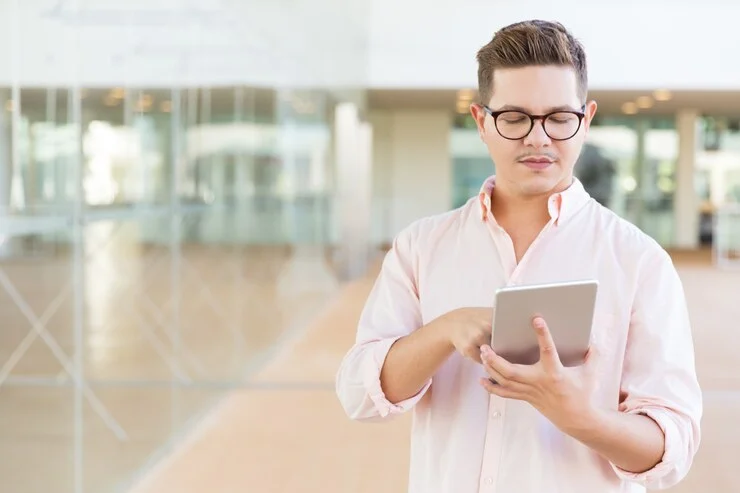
194	196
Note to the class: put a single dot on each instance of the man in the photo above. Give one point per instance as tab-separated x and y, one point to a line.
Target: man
628	418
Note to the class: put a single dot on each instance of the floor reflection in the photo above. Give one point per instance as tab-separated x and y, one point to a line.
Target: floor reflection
166	334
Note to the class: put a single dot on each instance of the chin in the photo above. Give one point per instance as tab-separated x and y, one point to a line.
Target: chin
542	183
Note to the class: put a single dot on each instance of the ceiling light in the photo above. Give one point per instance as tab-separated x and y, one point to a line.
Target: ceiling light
644	102
117	93
629	108
662	95
463	107
465	95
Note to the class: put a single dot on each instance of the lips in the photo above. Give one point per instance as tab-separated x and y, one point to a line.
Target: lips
537	162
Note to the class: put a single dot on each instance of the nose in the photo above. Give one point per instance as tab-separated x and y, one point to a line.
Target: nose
537	136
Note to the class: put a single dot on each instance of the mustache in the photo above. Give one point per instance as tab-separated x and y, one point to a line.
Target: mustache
548	155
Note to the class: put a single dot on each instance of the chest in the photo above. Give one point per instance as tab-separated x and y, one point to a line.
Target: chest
522	240
469	273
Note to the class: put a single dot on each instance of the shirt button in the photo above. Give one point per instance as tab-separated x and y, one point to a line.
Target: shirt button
495	414
489	480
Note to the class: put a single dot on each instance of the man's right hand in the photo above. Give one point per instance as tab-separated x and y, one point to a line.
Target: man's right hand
413	359
468	329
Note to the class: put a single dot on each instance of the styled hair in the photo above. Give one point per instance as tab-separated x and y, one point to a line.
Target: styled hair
527	43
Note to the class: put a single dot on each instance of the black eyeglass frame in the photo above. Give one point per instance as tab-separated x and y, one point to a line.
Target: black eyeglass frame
532	118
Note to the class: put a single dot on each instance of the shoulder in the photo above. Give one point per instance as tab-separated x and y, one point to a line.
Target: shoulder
641	256
625	236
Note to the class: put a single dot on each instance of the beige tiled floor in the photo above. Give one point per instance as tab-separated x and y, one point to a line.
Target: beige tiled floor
295	437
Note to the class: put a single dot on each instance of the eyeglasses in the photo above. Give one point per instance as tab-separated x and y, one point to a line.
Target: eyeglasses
558	125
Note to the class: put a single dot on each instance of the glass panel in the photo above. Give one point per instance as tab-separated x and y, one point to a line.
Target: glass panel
167	238
471	163
629	165
718	181
37	355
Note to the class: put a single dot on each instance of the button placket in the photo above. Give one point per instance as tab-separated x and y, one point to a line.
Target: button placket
493	444
516	274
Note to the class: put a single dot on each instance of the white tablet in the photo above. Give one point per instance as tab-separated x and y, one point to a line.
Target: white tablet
568	309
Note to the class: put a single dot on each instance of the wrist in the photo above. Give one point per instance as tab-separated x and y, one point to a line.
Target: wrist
585	423
442	333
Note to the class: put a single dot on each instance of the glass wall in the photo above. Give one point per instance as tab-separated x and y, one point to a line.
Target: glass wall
257	154
158	241
629	164
471	163
718	183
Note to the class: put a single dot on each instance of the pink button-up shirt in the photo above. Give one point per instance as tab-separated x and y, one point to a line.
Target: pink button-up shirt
465	440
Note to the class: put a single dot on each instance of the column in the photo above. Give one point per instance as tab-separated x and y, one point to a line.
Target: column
641	172
307	271
353	156
6	167
686	203
421	166
6	170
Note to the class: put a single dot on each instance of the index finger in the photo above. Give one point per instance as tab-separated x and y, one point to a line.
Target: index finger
548	352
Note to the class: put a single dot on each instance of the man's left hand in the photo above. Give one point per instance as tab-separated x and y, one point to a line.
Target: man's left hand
562	394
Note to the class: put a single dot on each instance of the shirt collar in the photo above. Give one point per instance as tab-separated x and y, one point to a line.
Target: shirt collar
561	206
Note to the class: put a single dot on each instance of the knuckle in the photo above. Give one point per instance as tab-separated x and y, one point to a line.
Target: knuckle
472	353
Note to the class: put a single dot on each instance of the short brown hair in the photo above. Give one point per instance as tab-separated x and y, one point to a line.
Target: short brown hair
527	43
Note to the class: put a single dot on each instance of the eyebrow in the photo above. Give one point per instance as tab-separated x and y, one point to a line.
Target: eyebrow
510	107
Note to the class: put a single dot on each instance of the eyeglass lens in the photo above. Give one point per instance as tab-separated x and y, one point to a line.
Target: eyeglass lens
516	125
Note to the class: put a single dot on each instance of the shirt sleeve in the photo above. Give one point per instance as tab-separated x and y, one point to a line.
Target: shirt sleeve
391	312
659	378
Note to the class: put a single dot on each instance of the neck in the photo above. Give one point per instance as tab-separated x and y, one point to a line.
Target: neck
511	206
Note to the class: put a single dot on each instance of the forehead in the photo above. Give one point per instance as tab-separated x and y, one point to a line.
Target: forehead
535	88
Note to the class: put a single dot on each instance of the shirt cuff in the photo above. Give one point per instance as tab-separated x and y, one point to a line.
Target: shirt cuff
372	382
652	478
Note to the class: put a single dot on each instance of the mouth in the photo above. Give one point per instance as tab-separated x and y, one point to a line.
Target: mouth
537	162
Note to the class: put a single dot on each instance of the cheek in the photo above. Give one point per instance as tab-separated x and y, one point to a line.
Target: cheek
502	151
568	153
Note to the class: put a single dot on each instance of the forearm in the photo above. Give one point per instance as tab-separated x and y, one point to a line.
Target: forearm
413	359
632	442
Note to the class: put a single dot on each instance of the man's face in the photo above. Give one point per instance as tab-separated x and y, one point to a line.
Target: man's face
535	163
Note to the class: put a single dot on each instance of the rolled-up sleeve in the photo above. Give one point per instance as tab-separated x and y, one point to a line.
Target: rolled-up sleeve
391	312
659	378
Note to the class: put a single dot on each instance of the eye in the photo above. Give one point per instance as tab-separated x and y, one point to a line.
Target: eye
562	118
513	117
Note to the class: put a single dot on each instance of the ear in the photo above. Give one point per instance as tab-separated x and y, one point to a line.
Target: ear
590	113
479	115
